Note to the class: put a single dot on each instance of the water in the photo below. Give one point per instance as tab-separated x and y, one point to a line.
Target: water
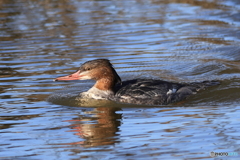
179	41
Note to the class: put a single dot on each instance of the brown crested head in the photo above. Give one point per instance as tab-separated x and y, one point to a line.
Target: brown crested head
100	69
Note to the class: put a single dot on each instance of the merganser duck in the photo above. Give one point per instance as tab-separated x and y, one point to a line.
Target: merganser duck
137	91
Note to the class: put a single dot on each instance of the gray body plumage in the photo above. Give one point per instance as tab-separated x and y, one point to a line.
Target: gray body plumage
156	92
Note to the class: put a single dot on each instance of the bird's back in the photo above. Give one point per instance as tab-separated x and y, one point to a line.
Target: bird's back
156	92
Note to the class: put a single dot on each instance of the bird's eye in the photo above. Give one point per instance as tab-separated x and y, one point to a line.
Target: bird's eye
88	69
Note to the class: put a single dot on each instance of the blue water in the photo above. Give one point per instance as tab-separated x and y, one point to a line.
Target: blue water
179	41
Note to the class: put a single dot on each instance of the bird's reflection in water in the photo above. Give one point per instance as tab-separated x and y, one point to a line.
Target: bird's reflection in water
97	127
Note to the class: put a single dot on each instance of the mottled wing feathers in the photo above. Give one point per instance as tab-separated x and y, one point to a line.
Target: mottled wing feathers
157	92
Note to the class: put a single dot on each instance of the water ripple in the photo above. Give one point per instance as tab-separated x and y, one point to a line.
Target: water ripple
180	41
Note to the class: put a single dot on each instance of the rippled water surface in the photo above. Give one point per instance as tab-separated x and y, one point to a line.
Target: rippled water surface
173	40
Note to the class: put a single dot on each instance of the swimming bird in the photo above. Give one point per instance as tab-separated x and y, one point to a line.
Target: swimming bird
109	86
